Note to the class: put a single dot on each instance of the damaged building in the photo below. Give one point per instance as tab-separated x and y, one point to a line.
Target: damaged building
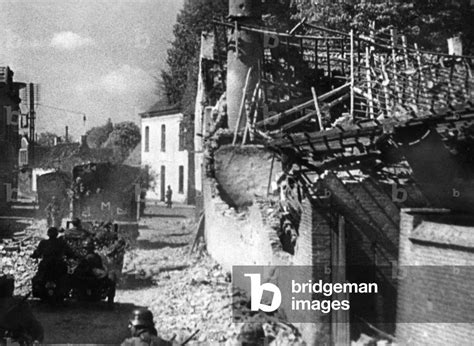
352	150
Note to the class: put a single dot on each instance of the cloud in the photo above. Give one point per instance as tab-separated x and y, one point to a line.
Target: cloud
124	80
69	40
126	84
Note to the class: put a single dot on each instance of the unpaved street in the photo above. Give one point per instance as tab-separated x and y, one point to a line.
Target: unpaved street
184	292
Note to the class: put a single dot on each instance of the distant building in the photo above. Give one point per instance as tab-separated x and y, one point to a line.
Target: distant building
9	138
163	152
61	157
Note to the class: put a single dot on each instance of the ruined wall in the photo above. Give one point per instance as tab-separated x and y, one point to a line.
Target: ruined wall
237	239
432	290
243	173
244	238
313	248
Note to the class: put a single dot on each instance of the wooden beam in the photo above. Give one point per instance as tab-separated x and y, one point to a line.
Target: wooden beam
276	118
242	106
318	110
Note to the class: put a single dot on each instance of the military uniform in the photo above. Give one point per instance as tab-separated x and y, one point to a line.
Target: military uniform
52	252
142	328
52	248
75	238
53	211
146	338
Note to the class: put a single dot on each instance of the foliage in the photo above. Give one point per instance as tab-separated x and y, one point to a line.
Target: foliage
124	137
46	139
98	135
429	23
195	17
279	14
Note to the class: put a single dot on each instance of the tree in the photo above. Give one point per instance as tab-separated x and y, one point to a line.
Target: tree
98	135
124	137
429	23
192	20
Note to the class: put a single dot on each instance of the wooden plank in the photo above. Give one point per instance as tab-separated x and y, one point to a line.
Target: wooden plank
276	118
199	232
318	110
352	74
369	83
242	106
312	114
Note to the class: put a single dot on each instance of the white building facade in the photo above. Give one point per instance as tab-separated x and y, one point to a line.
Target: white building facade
163	152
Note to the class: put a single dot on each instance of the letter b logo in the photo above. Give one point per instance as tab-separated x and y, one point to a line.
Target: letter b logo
399	195
256	293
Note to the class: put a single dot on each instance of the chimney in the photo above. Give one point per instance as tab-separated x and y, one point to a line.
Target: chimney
242	65
66	137
84	142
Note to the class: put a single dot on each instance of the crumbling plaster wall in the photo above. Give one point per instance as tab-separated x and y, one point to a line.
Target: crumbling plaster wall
242	237
243	173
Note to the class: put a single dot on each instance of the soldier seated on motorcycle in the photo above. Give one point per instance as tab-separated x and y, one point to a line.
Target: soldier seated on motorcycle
142	330
52	253
91	272
76	235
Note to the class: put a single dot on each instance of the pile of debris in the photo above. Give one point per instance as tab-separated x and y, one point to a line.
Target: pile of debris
365	340
199	297
15	259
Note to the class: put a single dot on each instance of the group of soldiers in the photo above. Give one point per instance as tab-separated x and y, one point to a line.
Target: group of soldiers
77	244
17	321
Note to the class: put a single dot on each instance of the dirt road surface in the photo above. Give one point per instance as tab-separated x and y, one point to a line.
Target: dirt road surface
184	292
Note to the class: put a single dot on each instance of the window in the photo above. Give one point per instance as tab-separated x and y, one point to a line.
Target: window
181	180
163	138
147	139
23	157
182	133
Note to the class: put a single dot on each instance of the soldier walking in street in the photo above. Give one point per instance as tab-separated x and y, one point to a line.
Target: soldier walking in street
53	213
169	196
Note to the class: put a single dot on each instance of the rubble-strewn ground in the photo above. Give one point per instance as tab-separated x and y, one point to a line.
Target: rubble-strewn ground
186	292
189	292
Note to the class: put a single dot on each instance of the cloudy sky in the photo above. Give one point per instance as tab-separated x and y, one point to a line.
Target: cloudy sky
96	57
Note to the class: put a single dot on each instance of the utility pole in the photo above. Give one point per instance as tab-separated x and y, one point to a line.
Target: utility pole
32	117
245	53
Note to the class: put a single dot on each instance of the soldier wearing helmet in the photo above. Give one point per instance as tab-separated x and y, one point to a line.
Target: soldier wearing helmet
91	271
142	330
52	253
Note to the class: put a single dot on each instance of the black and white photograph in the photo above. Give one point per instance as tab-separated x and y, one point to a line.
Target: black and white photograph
237	172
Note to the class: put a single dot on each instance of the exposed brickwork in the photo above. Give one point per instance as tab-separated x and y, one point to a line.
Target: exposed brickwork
365	213
435	293
314	242
314	248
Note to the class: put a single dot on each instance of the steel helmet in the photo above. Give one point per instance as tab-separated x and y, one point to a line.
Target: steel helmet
142	317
